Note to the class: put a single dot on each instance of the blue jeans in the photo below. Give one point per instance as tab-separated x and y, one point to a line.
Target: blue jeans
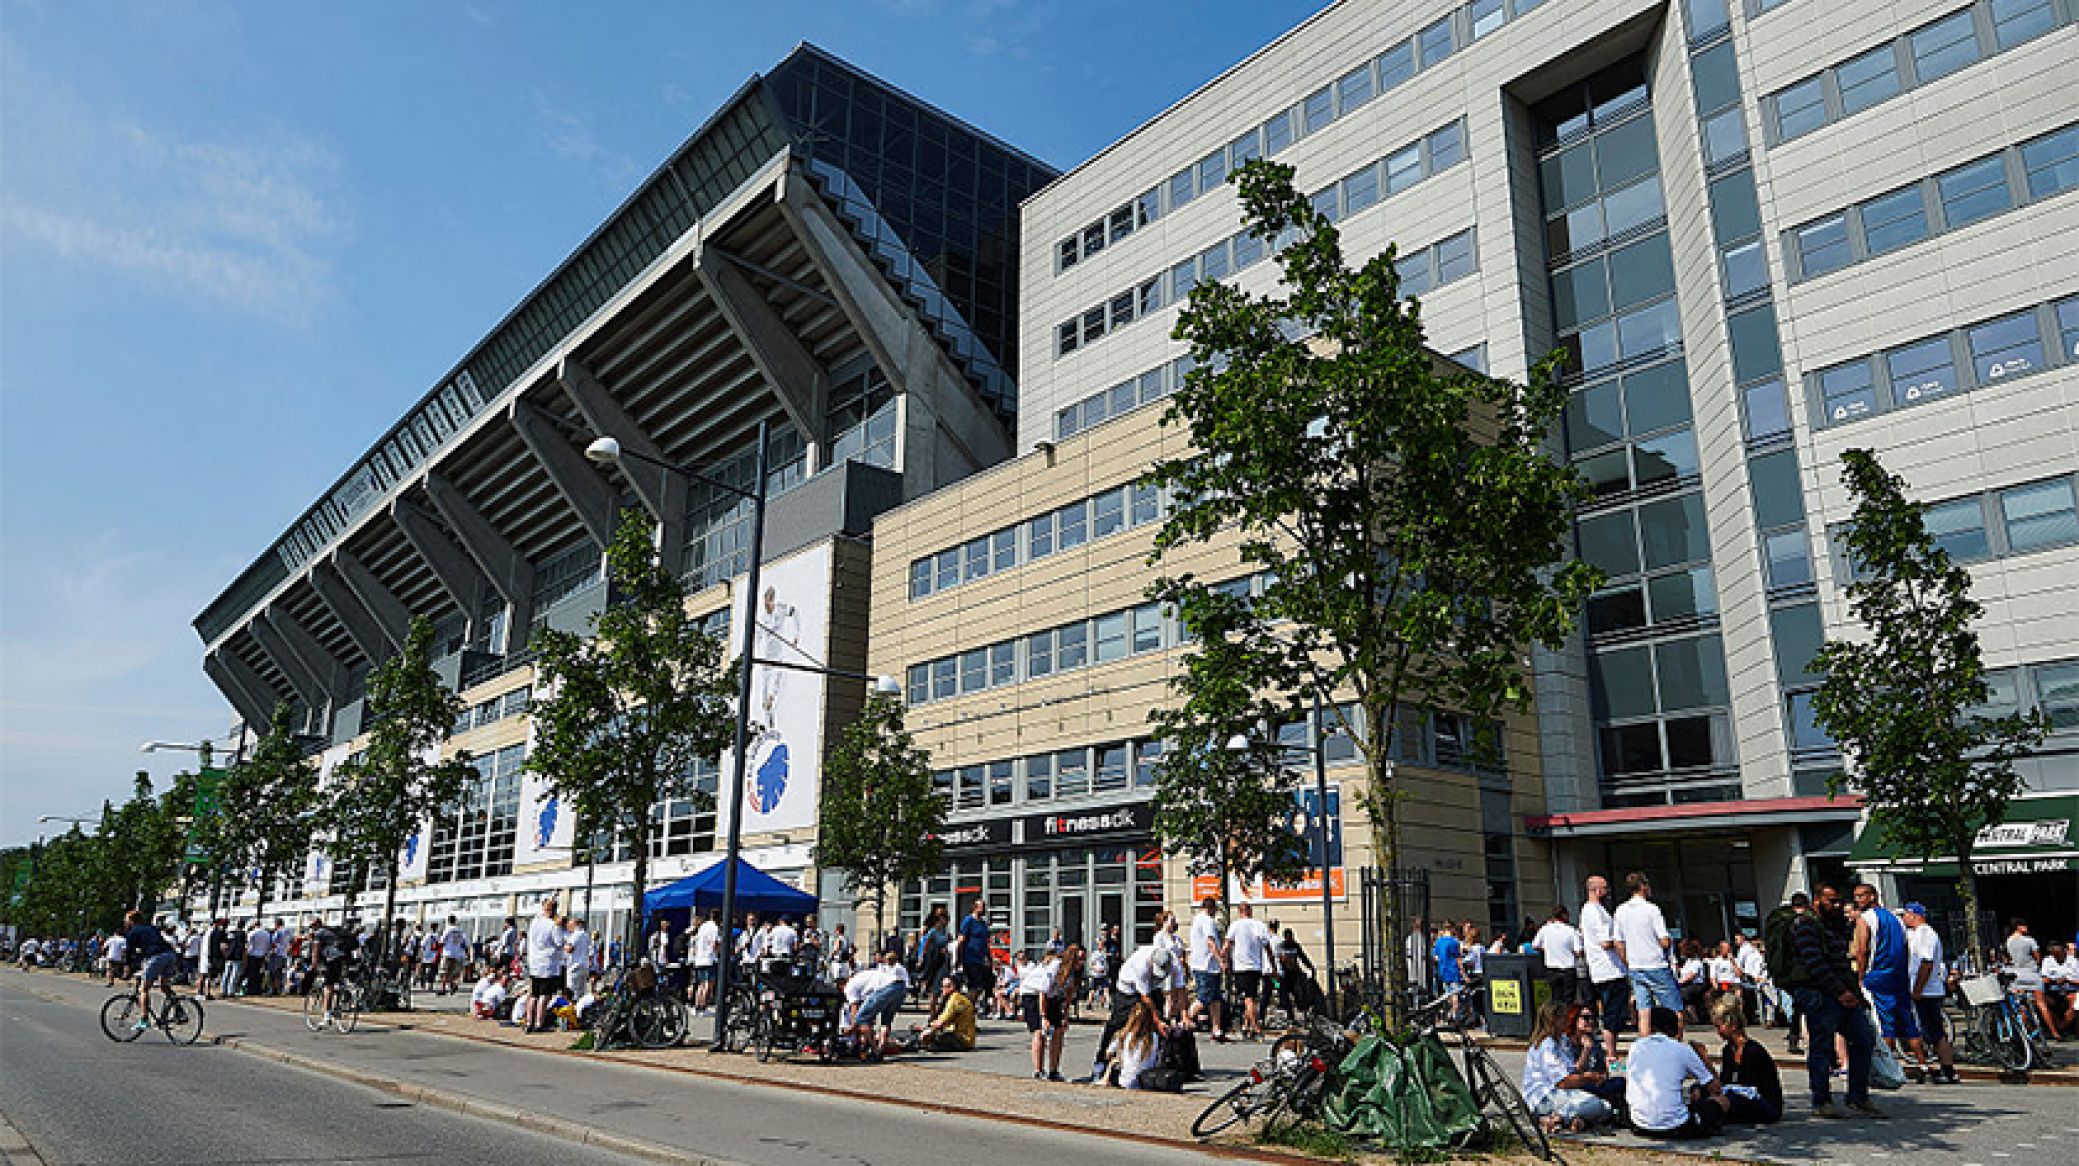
1654	988
1824	1016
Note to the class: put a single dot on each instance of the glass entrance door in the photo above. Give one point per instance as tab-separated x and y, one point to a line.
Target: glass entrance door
1111	912
1072	920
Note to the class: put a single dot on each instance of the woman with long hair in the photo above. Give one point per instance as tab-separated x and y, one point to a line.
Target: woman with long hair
1565	1081
1693	980
1166	940
933	940
1138	1047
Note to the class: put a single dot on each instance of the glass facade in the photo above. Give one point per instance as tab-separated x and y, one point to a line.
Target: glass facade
1032	893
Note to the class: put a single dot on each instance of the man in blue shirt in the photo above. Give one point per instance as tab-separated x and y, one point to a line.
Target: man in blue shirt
1447	952
1879	952
149	950
974	952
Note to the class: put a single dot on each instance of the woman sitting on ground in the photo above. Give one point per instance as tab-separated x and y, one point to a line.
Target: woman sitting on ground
1565	1081
1138	1047
1745	1068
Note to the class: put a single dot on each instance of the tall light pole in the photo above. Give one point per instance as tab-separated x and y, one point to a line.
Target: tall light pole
1319	749
203	751
607	451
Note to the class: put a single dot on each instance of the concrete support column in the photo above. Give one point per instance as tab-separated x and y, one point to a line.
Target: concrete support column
458	576
388	613
590	498
504	567
253	697
338	598
801	384
662	492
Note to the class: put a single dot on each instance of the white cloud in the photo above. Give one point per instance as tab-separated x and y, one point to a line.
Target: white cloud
569	137
248	221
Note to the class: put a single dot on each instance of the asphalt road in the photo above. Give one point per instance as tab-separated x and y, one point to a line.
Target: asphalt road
79	1098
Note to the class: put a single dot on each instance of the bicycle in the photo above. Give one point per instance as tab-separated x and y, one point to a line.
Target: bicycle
1494	1091
1999	1027
637	1010
343	1016
1292	1082
178	1016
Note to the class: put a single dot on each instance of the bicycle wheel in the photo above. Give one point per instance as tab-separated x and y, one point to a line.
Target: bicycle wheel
743	1017
1496	1093
765	1037
181	1018
119	1019
1240	1103
2004	1038
314	1010
652	1022
346	1008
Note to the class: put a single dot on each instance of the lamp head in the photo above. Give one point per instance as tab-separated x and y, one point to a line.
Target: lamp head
1238	744
887	686
604	450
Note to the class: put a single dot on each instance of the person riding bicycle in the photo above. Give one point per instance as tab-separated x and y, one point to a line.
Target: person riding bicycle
155	957
336	946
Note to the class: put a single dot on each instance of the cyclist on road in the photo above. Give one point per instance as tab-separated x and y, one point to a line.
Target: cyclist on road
148	948
336	945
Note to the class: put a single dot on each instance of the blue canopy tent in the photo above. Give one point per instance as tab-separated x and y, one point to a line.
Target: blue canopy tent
755	891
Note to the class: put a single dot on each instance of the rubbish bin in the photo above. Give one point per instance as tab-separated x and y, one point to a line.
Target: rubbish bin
1514	995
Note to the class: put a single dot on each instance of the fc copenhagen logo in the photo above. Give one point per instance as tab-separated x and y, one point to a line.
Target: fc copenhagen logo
771	780
545	826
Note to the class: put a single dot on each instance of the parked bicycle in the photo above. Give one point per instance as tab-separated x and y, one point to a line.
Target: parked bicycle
1998	1027
639	1013
1289	1084
179	1016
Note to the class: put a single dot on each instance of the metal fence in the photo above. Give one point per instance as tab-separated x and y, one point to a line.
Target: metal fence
1395	898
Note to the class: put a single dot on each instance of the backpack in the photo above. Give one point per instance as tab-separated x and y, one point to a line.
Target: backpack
1781	953
1179	1052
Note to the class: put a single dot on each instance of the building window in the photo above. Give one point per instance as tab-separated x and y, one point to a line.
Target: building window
1973	191
1800	109
1822	246
1958	528
1895	220
2051	162
1943	47
2017	21
2039	515
1868	79
1437	42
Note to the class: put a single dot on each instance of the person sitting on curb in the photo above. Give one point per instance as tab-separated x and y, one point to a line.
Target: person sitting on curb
1566	1080
954	1030
1670	1089
489	995
1752	1086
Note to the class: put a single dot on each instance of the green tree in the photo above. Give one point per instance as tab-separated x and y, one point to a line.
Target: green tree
1904	700
268	807
881	819
1228	810
626	713
1408	525
138	851
393	790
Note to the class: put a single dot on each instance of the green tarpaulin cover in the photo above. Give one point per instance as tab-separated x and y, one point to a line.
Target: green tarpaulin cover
1410	1098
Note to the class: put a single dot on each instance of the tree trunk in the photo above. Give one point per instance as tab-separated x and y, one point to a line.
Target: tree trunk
880	926
1967	890
261	908
382	927
642	876
1386	848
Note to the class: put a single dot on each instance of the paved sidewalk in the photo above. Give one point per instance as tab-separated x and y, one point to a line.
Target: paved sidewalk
15	1150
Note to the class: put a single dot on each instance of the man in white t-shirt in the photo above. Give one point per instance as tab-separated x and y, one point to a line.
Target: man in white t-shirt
1204	955
1642	938
577	948
1558	944
1657	1083
1753	967
1608	980
116	953
781	941
1927	976
1249	953
707	956
544	963
454	956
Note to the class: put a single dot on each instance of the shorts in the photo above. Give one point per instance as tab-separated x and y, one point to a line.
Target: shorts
1928	1010
980	981
1614	1002
704	973
334	970
544	986
159	967
1043	1012
1248	985
451	966
1896	1018
1654	988
1207	986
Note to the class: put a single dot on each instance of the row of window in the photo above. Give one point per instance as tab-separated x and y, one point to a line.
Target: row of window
1115	635
2013	520
1358	191
1312	114
510	704
1956	198
678	827
1122	398
1957	361
1084	520
2052	688
1932	51
477	840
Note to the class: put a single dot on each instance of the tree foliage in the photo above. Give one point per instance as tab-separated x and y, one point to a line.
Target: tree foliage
881	819
268	807
83	882
1905	702
1228	810
1409	528
379	800
625	713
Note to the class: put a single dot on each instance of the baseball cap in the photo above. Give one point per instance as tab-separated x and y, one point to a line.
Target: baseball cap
1916	908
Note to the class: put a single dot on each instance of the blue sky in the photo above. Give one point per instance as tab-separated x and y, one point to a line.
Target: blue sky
237	240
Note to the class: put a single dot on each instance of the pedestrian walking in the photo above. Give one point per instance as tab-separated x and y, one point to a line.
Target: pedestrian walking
1249	951
1879	952
1928	977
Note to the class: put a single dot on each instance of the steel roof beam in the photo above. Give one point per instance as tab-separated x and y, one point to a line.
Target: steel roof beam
588	494
304	681
330	671
387	614
801	385
253	697
458	576
338	599
503	566
662	492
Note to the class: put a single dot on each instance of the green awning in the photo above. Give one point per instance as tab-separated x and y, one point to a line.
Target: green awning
2035	837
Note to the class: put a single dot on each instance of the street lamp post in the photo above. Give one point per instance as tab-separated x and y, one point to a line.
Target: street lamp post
203	751
608	451
1319	749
